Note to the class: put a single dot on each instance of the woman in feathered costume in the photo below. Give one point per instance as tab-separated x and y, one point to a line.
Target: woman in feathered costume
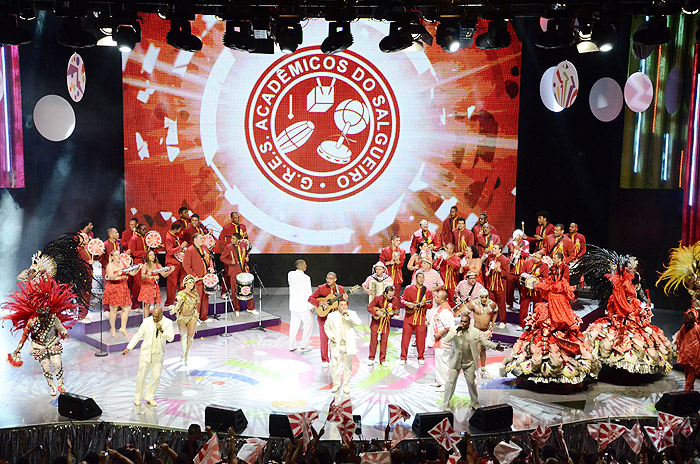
683	269
624	338
552	349
40	308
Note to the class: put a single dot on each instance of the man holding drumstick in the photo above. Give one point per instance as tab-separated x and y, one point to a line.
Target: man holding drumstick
198	262
236	259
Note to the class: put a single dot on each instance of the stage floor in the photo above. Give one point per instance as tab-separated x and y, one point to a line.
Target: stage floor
254	370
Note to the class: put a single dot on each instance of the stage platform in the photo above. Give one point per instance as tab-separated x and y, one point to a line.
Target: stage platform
255	371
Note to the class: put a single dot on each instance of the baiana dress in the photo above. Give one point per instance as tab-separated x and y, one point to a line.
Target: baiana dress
150	292
116	293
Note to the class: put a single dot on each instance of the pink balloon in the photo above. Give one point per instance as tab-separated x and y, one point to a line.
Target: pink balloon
639	92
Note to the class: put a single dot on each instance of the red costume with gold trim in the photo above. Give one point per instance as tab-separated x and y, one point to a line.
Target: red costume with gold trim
174	280
562	245
234	257
228	230
496	280
427	236
484	244
381	325
462	239
321	292
527	296
449	271
448	225
395	271
414	320
579	242
137	249
543	230
198	262
190	230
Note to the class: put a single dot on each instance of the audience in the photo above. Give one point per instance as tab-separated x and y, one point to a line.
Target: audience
421	451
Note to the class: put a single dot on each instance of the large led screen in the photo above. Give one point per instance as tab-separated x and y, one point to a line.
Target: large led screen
319	153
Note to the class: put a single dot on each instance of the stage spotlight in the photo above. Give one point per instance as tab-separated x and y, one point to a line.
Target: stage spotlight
604	35
339	37
180	36
73	35
399	38
238	35
691	6
447	35
288	35
497	36
559	34
127	36
10	33
653	32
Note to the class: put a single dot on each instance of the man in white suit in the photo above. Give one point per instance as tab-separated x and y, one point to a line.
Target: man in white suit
340	328
463	356
299	306
155	331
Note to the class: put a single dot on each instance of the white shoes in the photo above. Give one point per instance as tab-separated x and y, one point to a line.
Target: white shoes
346	389
324	364
402	362
305	348
335	388
421	361
502	325
254	312
519	328
441	388
370	362
238	313
293	348
152	402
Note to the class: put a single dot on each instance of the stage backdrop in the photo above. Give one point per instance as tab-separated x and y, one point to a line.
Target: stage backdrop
319	153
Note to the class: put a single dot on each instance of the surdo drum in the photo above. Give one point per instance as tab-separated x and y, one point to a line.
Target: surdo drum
211	284
244	286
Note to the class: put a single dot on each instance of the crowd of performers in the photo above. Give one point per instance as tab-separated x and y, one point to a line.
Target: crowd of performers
462	283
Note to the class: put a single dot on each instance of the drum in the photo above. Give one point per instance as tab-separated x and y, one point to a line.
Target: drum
211	284
209	241
180	256
153	239
528	280
95	247
244	286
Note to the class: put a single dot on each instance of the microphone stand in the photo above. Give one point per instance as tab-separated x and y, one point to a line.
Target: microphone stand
262	287
101	353
226	333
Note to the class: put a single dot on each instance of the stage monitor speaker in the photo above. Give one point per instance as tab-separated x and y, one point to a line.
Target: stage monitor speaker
424	421
279	426
220	418
680	403
492	418
77	407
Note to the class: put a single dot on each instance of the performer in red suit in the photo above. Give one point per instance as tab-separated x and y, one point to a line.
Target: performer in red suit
518	250
486	239
535	267
424	235
483	219
382	308
462	237
448	225
449	270
137	249
559	243
688	348
233	227
578	240
393	258
235	257
198	262
195	227
330	288
497	268
129	232
184	218
173	246
416	300
543	229
111	244
85	227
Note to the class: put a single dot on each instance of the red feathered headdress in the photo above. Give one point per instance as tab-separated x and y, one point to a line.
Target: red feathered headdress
38	293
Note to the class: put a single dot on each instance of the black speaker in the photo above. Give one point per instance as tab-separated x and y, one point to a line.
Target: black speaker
492	418
279	426
681	403
77	407
424	421
220	418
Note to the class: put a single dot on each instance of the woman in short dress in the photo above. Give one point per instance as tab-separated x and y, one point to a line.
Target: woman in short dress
186	304
116	294
150	291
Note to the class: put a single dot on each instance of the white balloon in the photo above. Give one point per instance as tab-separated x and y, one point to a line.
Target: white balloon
547	92
54	118
639	92
606	99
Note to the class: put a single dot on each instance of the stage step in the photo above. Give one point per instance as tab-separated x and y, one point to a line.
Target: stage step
90	333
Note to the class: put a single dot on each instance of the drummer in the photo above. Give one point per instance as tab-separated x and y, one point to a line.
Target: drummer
236	258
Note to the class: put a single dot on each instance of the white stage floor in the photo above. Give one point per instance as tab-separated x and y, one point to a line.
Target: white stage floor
255	371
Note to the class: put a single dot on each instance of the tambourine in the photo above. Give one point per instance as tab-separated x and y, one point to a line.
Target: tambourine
180	256
209	241
210	280
126	260
95	247
548	261
153	239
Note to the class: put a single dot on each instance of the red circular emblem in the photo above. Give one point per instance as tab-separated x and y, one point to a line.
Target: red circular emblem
322	127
